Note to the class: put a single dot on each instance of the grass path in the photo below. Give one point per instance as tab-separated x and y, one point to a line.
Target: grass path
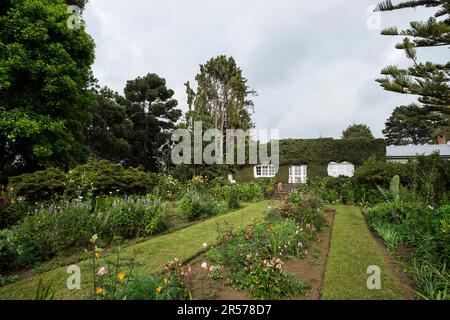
353	249
153	254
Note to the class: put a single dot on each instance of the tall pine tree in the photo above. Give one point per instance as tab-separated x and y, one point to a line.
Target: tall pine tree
154	114
428	80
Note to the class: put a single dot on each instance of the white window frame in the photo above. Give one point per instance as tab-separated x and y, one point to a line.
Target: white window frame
298	174
264	171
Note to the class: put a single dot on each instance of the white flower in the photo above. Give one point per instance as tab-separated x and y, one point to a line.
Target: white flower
205	246
204	266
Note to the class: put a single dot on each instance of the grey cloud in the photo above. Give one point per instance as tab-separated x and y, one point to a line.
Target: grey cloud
314	66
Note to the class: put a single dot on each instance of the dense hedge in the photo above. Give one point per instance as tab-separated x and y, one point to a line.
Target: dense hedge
318	153
95	178
326	150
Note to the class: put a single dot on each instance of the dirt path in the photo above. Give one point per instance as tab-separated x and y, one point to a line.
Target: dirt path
311	269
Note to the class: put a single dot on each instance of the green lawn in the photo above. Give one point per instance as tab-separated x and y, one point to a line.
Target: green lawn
353	249
153	255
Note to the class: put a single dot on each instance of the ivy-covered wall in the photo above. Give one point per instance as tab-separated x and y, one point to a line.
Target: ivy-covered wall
318	153
326	150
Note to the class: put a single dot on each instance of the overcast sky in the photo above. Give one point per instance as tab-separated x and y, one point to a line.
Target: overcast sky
313	66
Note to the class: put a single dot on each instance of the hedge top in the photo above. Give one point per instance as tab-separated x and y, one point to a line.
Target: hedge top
326	150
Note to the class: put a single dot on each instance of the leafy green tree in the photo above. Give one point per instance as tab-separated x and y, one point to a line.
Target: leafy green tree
110	129
356	131
154	114
45	73
429	81
405	127
222	99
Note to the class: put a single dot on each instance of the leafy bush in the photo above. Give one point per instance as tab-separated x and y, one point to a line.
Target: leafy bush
167	187
91	179
194	205
7	249
232	195
152	288
266	279
13	210
39	186
251	192
104	177
304	208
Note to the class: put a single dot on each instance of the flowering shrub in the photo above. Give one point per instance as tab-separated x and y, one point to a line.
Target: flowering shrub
255	256
266	279
198	183
63	225
114	279
167	187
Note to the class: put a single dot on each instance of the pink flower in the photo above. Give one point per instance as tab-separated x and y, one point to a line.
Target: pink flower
204	266
102	271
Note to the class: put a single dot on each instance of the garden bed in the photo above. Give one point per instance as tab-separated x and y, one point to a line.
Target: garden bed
309	269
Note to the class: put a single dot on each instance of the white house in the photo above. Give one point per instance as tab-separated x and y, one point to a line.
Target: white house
346	169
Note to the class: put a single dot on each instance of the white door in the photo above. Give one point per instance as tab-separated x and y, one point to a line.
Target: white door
298	174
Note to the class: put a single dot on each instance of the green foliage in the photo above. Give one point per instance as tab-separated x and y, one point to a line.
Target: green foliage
323	151
251	192
44	291
7	280
7	249
145	288
357	131
111	129
195	205
255	255
433	281
153	112
45	72
389	233
405	126
220	83
426	231
92	179
167	187
115	278
39	186
429	81
63	226
13	210
103	178
266	280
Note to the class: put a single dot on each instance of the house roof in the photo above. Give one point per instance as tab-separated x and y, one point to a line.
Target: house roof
417	150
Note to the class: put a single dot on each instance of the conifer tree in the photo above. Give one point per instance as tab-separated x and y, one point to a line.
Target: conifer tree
428	80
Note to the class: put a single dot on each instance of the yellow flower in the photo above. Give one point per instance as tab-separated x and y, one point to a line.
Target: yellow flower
166	280
121	276
97	254
159	289
100	291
